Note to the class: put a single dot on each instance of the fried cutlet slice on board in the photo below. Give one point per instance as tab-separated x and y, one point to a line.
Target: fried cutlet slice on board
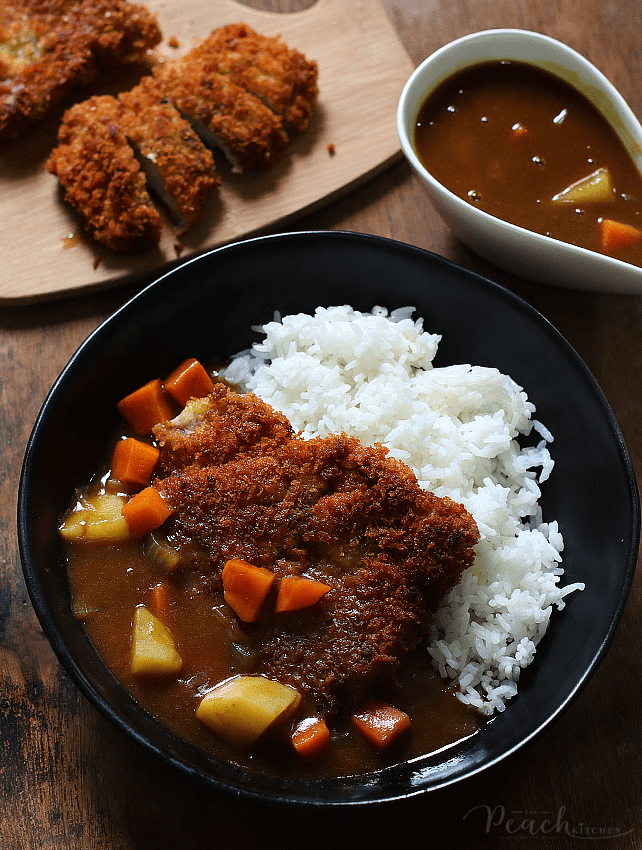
225	115
49	46
178	166
170	118
330	509
102	178
278	75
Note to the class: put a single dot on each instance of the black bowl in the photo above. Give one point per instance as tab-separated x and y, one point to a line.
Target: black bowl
206	309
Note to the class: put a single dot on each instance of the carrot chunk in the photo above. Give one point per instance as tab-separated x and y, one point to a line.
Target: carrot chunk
297	592
159	599
614	236
311	738
146	407
380	723
133	462
245	588
145	511
189	380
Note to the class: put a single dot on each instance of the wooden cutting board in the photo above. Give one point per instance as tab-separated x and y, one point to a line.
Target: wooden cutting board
362	70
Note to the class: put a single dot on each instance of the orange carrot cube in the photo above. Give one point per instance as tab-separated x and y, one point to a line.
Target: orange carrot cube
145	511
146	407
380	723
311	738
614	236
189	380
133	462
296	592
159	599
245	588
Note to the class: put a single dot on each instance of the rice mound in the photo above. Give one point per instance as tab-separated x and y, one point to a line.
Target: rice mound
371	375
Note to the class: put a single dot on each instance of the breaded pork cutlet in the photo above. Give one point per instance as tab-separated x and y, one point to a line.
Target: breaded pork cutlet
167	120
49	46
102	178
218	428
225	115
278	75
111	148
330	509
178	166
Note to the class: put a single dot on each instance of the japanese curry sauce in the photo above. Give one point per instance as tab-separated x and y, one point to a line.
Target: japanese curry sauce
465	137
109	581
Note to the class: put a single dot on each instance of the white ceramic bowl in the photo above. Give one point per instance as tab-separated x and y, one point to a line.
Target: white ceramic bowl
519	251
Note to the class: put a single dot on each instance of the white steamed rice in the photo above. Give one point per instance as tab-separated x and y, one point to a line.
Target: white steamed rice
371	375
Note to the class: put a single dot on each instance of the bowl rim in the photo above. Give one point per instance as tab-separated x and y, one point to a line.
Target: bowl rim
42	606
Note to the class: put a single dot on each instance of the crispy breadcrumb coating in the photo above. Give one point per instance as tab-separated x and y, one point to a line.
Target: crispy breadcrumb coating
102	178
242	485
225	425
49	46
178	166
279	76
223	113
234	91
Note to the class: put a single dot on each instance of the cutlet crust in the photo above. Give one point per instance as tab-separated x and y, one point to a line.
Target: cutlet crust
102	179
49	46
278	75
219	428
177	163
331	509
236	91
223	113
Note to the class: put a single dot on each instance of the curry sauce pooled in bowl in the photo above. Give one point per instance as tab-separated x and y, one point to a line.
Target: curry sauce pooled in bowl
520	143
277	557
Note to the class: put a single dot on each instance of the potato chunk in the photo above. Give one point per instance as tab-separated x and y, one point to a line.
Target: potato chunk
73	525
595	188
153	649
97	519
240	709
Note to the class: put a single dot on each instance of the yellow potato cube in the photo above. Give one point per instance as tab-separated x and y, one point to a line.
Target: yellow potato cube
153	649
593	189
105	521
107	531
73	526
240	709
97	519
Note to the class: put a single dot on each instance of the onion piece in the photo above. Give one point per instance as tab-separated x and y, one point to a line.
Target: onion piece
161	553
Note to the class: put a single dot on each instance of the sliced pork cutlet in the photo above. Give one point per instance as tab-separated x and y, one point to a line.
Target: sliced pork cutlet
49	46
265	66
223	114
178	166
102	178
329	509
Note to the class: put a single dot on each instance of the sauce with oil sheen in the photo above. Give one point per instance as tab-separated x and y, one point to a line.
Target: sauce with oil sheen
508	137
109	581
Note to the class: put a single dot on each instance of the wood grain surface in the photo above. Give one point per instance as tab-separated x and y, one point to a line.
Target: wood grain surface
362	69
68	780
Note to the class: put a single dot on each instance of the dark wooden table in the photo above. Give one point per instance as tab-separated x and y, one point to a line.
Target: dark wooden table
69	780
